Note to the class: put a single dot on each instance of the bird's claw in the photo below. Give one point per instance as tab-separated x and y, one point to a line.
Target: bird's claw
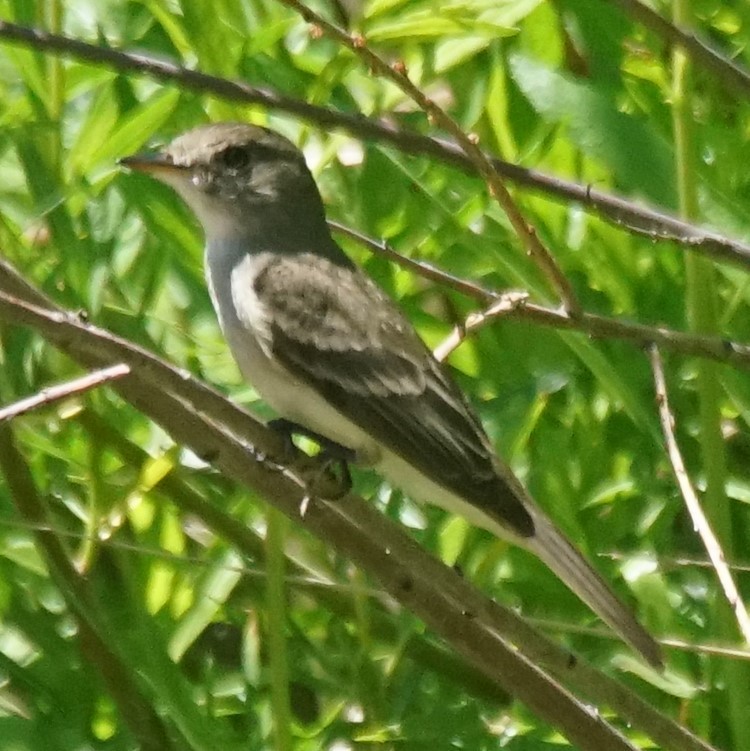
322	477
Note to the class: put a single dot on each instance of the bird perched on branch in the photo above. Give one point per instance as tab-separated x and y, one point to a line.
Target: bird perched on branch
329	351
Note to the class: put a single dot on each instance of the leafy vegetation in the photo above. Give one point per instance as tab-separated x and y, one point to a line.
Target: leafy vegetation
290	646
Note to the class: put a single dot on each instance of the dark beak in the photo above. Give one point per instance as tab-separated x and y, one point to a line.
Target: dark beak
152	164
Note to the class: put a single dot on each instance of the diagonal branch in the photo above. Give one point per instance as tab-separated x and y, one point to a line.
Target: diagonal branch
700	345
398	75
642	220
63	391
503	306
700	522
727	71
453	609
147	726
476	627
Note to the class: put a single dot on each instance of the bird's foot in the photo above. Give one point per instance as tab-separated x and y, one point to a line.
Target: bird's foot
330	449
330	463
285	429
333	456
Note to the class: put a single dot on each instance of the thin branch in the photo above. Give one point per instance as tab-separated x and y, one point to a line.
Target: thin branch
336	595
398	75
313	580
727	71
475	626
506	304
692	647
591	324
642	220
679	561
421	268
700	522
205	398
62	391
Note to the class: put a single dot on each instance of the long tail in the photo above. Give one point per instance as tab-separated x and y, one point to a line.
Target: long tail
555	550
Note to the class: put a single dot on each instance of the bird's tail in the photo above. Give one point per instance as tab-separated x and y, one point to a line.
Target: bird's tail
557	552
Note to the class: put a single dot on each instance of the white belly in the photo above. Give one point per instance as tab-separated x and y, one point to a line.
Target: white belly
294	400
245	326
299	403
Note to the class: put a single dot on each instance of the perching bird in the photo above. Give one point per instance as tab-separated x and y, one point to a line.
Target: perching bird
325	347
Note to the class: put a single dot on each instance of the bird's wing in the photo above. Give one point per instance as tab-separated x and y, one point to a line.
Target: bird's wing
334	329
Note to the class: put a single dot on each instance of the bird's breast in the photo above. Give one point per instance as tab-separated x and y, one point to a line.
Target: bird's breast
247	328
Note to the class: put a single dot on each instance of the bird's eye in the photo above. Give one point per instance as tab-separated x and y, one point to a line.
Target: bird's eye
235	157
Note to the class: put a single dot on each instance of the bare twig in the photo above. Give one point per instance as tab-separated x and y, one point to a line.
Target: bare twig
726	70
700	522
714	650
679	561
483	164
591	324
505	304
62	391
642	220
308	581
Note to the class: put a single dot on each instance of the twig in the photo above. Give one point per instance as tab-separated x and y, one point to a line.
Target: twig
715	650
55	393
642	220
505	304
483	164
727	71
312	582
665	562
700	522
591	324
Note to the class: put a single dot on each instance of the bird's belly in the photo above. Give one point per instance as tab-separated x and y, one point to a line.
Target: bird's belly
294	400
420	487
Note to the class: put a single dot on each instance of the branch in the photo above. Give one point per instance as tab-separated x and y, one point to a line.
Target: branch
641	220
336	597
700	522
591	324
62	391
678	561
503	306
477	628
145	724
432	591
483	165
728	72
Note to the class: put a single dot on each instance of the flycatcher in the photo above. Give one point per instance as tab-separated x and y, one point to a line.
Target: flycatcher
325	347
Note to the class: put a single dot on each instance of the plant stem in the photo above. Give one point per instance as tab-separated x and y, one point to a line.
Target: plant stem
701	311
276	630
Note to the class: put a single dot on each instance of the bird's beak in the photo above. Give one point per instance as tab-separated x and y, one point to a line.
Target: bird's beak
156	164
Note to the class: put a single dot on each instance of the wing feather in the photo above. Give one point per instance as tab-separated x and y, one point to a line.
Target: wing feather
333	327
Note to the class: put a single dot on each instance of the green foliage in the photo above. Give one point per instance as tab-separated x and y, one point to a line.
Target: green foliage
571	88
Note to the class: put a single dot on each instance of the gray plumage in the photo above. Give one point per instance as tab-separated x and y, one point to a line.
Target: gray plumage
327	349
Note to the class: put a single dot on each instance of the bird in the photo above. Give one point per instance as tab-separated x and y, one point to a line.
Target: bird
329	351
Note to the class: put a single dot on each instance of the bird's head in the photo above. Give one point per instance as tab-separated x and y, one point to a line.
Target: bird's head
232	175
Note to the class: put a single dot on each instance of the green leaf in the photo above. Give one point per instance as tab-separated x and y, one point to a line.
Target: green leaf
640	160
136	127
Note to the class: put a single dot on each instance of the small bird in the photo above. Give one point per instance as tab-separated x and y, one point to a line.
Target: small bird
330	352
